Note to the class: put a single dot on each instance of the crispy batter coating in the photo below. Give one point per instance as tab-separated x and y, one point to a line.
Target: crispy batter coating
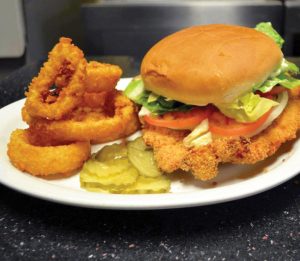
99	101
96	127
94	99
171	155
66	62
69	105
45	160
101	76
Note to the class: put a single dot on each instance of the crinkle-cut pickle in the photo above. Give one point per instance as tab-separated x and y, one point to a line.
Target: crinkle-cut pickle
104	169
142	158
124	169
112	152
147	185
115	181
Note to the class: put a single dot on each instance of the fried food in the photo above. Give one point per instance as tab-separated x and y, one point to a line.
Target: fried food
96	127
46	160
101	76
82	108
99	102
94	99
171	154
66	67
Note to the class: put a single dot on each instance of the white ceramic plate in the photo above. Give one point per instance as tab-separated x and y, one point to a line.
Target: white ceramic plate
234	182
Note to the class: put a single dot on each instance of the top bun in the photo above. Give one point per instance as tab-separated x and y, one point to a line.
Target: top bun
210	63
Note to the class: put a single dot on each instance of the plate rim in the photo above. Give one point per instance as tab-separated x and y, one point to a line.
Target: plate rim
114	201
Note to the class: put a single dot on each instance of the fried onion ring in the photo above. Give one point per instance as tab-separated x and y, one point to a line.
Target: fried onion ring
45	160
92	126
99	101
66	63
101	76
94	99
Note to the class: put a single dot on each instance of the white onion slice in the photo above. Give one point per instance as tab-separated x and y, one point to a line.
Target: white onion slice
282	100
200	136
198	131
202	140
143	112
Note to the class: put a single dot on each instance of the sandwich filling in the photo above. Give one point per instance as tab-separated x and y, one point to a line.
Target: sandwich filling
247	115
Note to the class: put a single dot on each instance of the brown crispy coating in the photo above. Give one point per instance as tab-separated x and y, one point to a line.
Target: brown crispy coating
45	160
65	62
171	154
101	76
97	127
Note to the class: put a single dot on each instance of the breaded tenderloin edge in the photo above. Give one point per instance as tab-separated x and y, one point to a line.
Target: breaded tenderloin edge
170	153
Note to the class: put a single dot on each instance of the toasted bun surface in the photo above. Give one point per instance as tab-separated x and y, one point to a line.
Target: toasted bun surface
209	64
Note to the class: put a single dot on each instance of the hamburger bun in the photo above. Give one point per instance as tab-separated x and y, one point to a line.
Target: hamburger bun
210	63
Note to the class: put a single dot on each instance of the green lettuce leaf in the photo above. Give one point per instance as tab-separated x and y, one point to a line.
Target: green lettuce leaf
283	76
247	108
289	67
267	28
135	90
283	80
153	102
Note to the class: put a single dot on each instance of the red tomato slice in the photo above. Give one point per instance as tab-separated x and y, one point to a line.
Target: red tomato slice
179	120
221	125
275	91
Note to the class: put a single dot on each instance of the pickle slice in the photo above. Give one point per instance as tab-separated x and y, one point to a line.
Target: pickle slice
138	144
112	182
142	158
104	169
124	170
92	189
146	185
102	189
111	152
86	176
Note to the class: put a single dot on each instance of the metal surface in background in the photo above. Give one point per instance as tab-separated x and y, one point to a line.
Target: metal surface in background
131	28
48	20
292	28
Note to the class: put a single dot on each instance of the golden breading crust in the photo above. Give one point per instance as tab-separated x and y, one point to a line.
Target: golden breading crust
171	154
86	126
46	160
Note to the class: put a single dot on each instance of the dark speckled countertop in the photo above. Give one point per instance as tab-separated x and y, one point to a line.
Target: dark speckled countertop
262	227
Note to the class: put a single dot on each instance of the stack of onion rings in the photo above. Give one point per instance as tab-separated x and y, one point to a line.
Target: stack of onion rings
92	126
100	82
83	108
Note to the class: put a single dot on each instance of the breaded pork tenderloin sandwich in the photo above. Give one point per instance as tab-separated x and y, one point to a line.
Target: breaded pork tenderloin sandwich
216	93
